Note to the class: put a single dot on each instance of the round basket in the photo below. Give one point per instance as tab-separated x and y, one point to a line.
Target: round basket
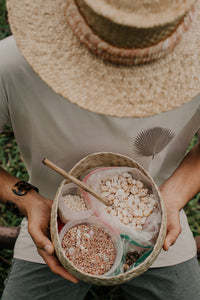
105	159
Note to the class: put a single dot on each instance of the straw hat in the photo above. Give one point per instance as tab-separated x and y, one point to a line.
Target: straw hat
119	58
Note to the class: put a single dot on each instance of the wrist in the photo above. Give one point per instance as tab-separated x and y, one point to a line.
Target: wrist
21	188
172	196
22	195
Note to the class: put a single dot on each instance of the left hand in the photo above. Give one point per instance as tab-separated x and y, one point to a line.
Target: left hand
177	191
173	219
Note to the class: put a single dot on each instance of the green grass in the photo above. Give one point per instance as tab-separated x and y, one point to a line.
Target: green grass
10	160
192	209
4	26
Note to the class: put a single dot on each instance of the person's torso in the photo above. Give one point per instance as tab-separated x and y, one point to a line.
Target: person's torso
46	125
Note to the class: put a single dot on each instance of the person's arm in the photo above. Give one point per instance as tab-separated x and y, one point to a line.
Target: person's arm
178	190
37	209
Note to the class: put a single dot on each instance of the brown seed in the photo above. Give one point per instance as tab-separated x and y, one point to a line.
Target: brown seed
126	267
93	254
129	261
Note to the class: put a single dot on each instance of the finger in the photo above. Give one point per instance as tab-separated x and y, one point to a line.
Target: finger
173	232
56	267
40	239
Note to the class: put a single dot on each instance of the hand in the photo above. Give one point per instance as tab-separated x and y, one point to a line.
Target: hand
38	210
177	191
173	228
173	220
38	213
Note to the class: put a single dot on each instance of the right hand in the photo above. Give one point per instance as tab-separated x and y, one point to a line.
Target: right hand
38	213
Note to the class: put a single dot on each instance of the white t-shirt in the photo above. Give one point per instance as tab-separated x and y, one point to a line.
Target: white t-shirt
47	125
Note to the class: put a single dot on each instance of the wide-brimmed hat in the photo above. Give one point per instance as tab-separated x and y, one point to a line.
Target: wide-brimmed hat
119	58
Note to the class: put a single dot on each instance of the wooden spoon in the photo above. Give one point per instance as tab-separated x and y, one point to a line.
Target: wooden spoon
76	181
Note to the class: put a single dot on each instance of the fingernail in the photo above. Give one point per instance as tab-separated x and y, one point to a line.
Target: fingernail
168	245
75	281
48	249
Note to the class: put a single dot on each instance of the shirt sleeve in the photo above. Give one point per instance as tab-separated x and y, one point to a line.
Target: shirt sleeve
198	131
4	114
4	111
198	134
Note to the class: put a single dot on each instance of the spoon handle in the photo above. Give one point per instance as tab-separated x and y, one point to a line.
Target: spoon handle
75	180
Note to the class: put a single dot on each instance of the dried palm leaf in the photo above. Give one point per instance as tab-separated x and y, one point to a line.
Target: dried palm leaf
151	141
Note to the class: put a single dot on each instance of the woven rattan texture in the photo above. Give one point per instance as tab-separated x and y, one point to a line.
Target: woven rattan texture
90	162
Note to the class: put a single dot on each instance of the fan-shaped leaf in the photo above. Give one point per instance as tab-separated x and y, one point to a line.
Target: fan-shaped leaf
152	141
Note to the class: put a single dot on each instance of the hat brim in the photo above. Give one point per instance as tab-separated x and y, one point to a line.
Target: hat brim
56	55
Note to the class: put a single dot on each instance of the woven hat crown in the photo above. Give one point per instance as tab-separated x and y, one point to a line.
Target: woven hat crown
140	13
117	31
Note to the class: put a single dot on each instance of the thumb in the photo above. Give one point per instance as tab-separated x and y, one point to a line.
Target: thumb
173	231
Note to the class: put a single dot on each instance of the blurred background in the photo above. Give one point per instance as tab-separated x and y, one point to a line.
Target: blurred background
11	161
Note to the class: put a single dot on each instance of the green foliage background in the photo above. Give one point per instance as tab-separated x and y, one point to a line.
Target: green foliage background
10	160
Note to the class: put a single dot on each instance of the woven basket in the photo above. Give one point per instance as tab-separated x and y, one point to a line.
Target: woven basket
105	159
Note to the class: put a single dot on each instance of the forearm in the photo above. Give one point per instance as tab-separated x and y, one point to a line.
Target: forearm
7	182
38	210
184	183
177	190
